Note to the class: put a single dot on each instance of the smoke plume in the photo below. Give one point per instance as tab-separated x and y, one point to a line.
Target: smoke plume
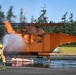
13	42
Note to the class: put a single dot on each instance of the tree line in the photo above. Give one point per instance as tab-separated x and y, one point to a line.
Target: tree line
69	26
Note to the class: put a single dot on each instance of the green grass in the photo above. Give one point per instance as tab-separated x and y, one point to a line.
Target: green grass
67	50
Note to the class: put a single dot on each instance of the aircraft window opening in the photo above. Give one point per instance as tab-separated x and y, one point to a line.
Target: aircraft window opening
39	38
33	38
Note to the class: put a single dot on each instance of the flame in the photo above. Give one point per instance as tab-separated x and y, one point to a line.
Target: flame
29	38
10	30
9	27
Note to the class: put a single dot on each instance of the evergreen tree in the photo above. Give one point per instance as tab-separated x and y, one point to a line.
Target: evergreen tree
2	31
32	19
71	18
10	16
22	16
64	17
2	16
42	18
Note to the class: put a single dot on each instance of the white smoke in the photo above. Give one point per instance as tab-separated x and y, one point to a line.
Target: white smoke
13	42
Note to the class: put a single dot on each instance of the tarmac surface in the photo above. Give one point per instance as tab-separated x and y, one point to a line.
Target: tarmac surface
9	70
36	71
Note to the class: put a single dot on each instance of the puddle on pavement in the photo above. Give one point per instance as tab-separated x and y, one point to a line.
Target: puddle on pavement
43	63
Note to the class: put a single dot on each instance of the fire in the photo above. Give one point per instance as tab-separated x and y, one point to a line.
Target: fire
10	30
29	38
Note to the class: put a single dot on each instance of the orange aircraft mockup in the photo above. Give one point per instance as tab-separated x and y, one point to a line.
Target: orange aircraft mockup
38	42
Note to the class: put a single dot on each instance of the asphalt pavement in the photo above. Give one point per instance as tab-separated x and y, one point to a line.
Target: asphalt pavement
36	71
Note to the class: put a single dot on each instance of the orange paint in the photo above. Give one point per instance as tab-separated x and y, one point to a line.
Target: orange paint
43	43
